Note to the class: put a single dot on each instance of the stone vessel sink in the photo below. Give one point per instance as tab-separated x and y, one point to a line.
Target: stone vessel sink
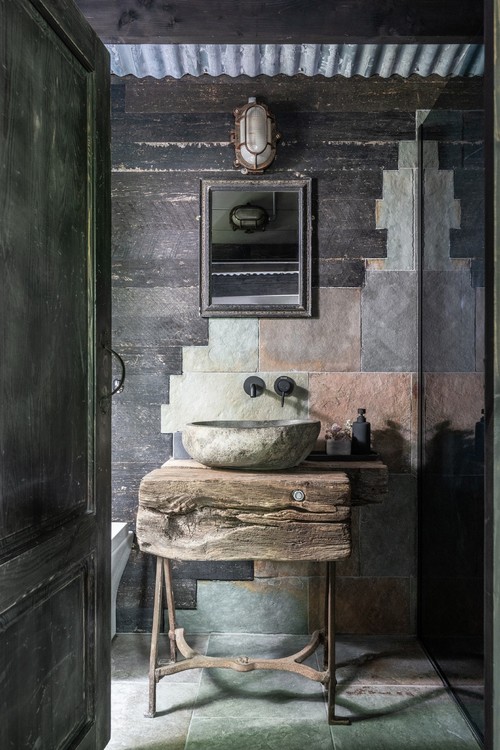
260	445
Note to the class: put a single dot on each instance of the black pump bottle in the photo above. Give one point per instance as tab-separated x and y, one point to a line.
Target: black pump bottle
361	438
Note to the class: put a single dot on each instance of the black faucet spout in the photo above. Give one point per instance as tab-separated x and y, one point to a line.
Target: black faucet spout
254	386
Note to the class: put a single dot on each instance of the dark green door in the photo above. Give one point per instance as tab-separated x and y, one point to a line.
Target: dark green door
54	375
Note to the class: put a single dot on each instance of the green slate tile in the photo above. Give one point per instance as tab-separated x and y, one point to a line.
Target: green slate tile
130	657
258	734
383	660
265	694
269	605
131	730
392	718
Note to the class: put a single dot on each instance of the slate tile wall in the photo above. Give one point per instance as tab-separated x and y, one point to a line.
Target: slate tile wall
356	138
452	479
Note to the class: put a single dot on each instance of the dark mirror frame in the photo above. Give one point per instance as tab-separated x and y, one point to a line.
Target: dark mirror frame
303	189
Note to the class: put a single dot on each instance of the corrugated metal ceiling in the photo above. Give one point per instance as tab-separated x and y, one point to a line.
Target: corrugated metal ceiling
177	60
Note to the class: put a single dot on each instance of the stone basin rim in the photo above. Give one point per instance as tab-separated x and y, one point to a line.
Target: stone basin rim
249	424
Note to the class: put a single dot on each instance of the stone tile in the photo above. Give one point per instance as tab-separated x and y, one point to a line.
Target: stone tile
130	657
396	213
389	321
347	226
479	328
330	341
351	565
233	346
441	212
272	605
260	694
408	155
477	272
339	272
373	606
263	645
197	396
383	660
449	310
387	535
453	403
387	397
316	612
259	733
392	718
285	569
131	730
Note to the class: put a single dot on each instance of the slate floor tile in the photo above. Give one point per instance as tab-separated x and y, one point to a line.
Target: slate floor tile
130	657
268	695
409	717
379	660
386	686
131	730
258	734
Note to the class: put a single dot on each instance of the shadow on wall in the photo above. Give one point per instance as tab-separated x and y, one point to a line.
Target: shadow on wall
394	449
453	452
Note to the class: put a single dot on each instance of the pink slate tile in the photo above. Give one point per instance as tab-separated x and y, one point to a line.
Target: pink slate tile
387	398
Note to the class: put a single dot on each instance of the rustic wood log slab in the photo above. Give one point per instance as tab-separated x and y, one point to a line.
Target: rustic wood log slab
369	479
194	513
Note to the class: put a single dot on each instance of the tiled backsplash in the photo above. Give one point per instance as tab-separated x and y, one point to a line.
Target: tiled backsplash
358	350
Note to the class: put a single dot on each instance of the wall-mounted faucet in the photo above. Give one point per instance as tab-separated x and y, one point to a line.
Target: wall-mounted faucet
254	386
284	387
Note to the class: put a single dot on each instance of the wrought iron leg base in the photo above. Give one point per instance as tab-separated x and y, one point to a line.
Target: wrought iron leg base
194	660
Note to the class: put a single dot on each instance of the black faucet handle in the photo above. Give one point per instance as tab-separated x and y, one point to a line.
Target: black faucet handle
284	387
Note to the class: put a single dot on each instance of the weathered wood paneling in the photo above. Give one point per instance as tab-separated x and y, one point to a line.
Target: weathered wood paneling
284	21
303	94
54	378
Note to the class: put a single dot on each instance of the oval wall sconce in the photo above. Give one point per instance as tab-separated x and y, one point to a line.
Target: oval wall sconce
254	137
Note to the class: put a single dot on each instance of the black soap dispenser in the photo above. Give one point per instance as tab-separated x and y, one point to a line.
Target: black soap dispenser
361	437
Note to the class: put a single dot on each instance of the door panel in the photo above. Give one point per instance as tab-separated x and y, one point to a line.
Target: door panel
54	377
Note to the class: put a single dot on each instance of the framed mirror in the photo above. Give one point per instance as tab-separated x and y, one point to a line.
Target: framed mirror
256	248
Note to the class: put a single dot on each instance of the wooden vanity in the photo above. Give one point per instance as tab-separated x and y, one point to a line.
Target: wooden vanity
190	512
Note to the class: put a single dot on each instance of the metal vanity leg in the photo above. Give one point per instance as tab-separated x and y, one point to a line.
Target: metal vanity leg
330	646
326	615
171	608
153	657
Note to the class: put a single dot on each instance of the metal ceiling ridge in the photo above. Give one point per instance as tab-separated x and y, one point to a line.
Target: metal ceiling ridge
328	60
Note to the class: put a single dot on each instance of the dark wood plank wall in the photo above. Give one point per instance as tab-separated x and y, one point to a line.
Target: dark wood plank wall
167	135
284	21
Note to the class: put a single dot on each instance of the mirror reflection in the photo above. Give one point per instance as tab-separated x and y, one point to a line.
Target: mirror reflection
255	248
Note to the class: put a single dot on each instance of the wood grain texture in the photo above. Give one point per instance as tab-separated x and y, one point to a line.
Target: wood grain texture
192	514
284	21
303	94
54	376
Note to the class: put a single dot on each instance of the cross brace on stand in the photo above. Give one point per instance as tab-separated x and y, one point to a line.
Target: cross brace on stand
194	660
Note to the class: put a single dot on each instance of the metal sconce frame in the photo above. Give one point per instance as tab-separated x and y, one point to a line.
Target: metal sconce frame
254	137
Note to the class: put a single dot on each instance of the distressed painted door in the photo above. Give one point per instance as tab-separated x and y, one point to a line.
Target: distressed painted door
54	374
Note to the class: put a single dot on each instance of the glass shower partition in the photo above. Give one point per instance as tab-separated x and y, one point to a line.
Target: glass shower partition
451	377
